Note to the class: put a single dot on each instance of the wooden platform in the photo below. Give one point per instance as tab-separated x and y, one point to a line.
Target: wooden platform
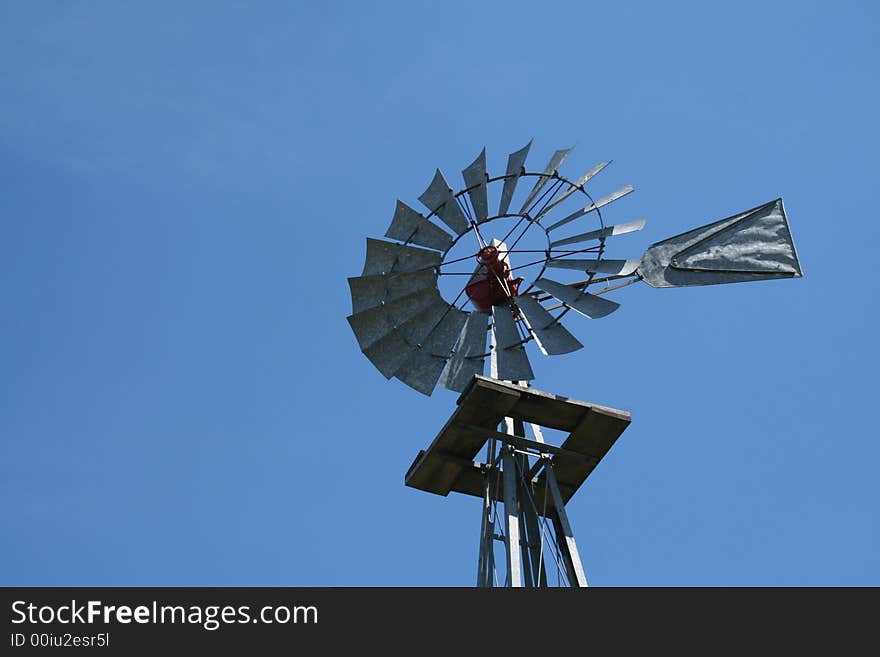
448	465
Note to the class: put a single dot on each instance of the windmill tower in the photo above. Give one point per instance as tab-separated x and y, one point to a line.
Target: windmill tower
495	269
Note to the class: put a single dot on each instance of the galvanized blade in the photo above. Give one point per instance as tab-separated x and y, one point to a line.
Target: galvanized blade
407	225
388	353
571	190
613	267
438	198
390	257
602	202
375	323
552	167
588	305
475	180
468	358
515	163
424	364
550	335
371	291
513	363
391	352
609	231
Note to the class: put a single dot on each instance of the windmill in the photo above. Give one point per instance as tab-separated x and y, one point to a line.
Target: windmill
509	275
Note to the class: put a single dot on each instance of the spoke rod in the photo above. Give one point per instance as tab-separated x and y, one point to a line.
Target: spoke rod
550	190
510	232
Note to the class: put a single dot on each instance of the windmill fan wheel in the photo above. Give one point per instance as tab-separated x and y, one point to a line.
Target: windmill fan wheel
505	293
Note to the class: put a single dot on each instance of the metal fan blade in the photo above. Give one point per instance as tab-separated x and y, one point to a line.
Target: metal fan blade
623	191
515	163
571	190
613	267
619	229
375	323
469	353
551	336
390	353
438	198
410	226
750	246
588	305
423	365
390	257
552	167
371	291
510	354
475	180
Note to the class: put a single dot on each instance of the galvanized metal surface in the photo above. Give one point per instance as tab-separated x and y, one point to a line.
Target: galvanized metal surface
375	323
438	198
390	257
407	225
571	190
613	267
511	518
619	229
551	336
750	246
390	353
486	561
468	358
602	202
423	366
371	291
513	362
475	179
515	163
493	355
534	573
565	535
552	167
585	303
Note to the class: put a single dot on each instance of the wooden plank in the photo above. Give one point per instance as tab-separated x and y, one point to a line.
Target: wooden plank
546	409
484	405
596	433
593	437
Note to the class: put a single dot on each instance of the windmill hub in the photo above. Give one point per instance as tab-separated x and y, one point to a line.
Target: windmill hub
493	282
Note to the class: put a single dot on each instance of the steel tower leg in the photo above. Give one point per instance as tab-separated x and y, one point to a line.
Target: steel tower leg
526	546
522	524
530	535
564	536
486	563
511	517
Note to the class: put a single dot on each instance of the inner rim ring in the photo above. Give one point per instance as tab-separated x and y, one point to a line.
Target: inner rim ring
526	216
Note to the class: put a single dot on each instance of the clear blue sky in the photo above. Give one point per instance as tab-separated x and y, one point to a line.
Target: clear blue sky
186	187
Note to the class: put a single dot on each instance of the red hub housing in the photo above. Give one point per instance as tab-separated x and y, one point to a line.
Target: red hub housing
492	284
